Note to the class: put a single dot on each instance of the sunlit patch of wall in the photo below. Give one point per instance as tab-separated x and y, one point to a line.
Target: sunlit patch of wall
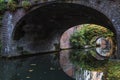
65	38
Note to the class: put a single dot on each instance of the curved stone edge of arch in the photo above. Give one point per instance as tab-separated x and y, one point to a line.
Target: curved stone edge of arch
10	19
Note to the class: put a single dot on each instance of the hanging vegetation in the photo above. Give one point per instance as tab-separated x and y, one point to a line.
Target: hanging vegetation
26	4
11	5
2	6
88	34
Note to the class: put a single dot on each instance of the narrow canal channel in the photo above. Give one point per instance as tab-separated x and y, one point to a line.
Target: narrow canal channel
86	64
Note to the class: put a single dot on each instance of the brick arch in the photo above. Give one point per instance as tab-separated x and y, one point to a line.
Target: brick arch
52	19
93	15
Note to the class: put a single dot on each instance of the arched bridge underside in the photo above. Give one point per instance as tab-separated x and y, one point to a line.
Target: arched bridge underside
39	29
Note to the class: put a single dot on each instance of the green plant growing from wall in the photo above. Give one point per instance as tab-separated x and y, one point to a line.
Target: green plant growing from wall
26	4
2	6
11	5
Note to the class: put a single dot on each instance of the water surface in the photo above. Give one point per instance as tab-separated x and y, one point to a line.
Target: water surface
86	64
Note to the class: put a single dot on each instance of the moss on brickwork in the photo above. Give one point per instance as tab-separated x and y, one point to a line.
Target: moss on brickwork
12	5
26	4
2	6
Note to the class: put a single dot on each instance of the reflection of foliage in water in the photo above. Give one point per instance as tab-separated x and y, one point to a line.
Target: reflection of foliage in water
113	70
84	59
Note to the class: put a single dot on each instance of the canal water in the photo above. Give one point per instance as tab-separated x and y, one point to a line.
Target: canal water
85	64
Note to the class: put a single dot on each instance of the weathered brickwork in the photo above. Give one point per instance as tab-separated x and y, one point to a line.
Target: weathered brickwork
109	10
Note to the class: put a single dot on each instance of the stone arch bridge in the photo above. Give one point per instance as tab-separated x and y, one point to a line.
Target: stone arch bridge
39	29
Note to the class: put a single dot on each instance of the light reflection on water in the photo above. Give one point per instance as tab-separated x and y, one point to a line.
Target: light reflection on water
89	64
66	65
75	71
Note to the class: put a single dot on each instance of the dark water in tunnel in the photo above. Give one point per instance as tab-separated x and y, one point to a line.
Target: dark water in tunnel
84	64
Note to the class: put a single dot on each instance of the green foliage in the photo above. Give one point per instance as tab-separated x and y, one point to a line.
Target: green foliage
2	6
12	5
113	70
1	0
88	34
85	60
77	40
26	4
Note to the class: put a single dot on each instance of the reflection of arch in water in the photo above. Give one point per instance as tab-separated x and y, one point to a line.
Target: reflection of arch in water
77	72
